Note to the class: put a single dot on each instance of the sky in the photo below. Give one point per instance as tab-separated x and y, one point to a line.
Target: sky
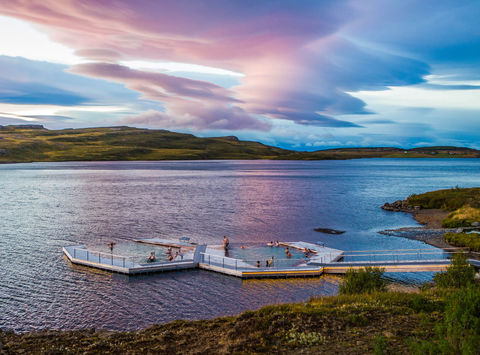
302	75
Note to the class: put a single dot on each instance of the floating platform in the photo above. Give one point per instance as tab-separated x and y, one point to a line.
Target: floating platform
80	255
321	260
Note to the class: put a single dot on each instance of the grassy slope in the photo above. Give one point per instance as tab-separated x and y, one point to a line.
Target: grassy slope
464	207
448	199
125	143
339	324
462	203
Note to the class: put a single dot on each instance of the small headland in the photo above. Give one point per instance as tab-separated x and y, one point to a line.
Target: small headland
449	217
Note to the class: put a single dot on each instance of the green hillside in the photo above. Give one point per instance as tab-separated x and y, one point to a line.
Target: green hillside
28	143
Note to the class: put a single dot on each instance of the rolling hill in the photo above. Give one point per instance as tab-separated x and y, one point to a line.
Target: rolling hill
28	143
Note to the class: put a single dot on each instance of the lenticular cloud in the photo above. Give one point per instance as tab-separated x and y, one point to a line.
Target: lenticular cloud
297	63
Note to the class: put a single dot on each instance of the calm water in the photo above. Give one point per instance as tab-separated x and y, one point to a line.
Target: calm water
44	206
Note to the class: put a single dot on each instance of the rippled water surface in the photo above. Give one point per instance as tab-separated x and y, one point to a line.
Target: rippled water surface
44	206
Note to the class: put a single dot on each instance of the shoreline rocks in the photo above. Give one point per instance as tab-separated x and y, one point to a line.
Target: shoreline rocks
328	231
400	206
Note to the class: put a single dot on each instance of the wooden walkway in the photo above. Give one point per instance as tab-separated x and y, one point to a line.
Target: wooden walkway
390	266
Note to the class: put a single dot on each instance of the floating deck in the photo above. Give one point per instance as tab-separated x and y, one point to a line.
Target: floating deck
322	260
82	256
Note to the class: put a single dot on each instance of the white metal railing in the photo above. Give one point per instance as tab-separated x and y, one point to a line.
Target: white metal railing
241	264
116	260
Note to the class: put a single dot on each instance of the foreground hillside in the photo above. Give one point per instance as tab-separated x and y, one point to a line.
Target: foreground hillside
334	325
442	318
365	318
34	143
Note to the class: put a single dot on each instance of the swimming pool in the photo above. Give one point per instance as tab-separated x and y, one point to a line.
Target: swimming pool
136	252
252	254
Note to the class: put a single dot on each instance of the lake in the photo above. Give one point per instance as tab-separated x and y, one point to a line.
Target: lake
45	206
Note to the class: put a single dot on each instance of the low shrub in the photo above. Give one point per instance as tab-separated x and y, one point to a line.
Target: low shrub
295	337
462	217
469	240
459	274
380	347
365	280
460	331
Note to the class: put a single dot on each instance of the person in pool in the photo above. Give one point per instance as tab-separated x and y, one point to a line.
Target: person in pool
152	257
270	262
258	263
277	243
287	252
270	244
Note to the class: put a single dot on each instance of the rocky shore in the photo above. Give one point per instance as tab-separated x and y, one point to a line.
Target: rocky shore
431	231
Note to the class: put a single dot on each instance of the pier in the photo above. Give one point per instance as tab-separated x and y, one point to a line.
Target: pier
323	260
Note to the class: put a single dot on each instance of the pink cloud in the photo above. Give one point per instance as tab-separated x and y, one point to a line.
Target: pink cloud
188	103
287	50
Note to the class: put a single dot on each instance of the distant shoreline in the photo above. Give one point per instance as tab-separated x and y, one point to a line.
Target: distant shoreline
218	159
25	144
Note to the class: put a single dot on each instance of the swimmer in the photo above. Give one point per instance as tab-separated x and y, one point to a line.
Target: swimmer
287	252
170	257
270	244
258	263
169	250
152	257
242	247
277	243
270	263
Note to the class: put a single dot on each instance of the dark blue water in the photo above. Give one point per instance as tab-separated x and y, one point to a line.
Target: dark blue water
44	206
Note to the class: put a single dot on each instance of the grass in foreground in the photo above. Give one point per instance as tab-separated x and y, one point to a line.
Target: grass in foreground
443	319
343	324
